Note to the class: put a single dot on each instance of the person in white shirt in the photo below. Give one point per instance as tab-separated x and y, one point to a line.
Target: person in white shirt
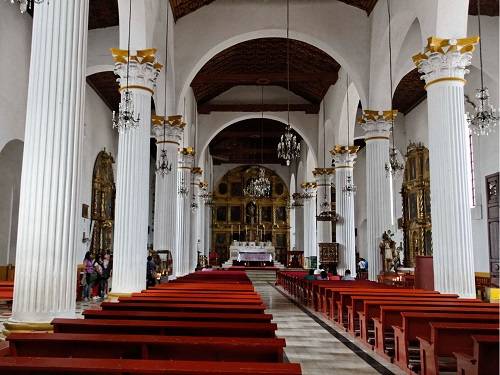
347	276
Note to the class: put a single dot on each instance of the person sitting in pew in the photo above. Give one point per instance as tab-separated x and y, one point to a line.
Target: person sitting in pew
347	276
323	276
310	275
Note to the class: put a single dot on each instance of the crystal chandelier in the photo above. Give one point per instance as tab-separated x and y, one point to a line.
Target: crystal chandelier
126	118
25	5
349	188
394	166
485	117
194	204
183	190
259	187
163	166
288	147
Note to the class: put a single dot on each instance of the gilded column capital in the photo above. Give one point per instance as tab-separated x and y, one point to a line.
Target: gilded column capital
197	171
143	69
344	156
166	130
377	124
445	59
309	189
323	172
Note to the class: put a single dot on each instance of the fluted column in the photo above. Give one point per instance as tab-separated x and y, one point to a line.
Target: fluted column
208	228
45	284
132	177
196	207
344	158
443	65
184	199
324	201
167	132
298	207
310	239
377	126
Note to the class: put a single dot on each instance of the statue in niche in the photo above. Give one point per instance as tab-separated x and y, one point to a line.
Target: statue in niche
388	252
251	213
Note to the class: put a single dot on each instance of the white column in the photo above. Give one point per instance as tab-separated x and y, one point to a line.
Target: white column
377	126
168	135
183	228
310	238
194	242
45	280
298	204
324	201
443	66
208	230
344	158
132	177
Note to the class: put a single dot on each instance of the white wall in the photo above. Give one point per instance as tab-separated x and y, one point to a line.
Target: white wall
359	177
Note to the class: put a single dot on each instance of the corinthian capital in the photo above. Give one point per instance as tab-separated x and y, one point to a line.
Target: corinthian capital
143	69
445	59
167	130
377	124
344	156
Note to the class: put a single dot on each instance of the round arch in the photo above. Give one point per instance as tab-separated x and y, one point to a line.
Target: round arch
250	116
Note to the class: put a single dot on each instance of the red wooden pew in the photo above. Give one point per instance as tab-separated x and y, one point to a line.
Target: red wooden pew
174	300
483	359
188	307
76	366
146	347
167	328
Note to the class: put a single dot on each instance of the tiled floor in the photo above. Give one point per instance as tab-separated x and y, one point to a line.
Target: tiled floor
309	343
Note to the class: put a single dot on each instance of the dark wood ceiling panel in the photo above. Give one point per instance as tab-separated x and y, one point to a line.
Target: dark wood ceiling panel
241	142
105	85
181	8
103	13
264	62
488	7
409	93
366	5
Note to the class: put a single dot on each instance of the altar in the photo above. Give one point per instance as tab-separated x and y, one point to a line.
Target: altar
251	252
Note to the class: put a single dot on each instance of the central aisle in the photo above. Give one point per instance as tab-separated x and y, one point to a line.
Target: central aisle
311	344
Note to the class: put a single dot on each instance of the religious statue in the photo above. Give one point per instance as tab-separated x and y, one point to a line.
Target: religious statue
388	251
251	211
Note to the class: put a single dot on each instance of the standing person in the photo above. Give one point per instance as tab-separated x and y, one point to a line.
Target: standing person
99	273
106	273
150	272
89	270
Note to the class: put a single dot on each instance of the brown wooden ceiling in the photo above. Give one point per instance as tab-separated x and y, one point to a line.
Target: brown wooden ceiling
241	142
263	62
488	7
103	13
409	93
105	85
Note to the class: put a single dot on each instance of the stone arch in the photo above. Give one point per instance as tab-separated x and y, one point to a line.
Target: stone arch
412	43
11	158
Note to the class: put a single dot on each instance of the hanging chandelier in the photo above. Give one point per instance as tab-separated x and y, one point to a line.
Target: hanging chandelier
485	117
288	147
25	5
183	190
126	118
349	188
163	165
259	187
194	204
394	166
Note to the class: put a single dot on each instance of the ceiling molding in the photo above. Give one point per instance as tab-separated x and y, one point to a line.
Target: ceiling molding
207	108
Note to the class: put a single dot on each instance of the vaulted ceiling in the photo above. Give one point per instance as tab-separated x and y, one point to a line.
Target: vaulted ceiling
409	93
241	142
264	62
106	86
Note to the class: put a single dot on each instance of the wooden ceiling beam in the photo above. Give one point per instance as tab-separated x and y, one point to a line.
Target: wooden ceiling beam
265	78
205	109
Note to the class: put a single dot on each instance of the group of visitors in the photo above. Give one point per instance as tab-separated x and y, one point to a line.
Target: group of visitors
95	280
321	274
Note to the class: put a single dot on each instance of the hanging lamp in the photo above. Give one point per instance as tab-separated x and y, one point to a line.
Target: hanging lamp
183	189
349	188
288	147
485	117
26	5
126	118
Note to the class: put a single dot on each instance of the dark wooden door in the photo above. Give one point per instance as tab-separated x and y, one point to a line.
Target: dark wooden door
493	225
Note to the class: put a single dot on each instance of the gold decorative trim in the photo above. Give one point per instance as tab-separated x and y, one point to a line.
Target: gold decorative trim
188	151
444	46
175	143
137	87
145	56
308	185
338	149
376	137
371	115
183	167
117	295
442	79
196	170
344	166
323	171
157	120
176	121
26	327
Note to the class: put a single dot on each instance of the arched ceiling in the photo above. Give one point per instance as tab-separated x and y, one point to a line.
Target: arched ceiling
409	93
240	143
264	62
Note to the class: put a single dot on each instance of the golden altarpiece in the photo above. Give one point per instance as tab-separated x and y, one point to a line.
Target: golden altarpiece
416	222
103	204
236	217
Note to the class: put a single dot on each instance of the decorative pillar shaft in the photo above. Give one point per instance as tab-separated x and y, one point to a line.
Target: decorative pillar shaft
45	280
194	243
168	135
324	201
298	204
184	200
310	239
378	184
344	158
207	227
443	65
132	177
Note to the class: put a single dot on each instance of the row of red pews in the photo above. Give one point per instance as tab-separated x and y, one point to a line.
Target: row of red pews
204	323
423	332
6	291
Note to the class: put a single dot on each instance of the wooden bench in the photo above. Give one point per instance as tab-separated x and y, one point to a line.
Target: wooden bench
167	328
176	300
158	315
188	307
436	350
74	366
483	359
410	324
146	347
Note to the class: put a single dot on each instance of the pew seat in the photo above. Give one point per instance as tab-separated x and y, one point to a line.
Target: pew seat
75	366
173	300
188	307
146	347
189	316
483	359
167	328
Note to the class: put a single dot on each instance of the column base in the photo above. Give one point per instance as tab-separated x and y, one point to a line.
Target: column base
113	297
11	326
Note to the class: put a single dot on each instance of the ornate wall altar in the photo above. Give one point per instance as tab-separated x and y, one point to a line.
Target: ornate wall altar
416	223
103	204
236	217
